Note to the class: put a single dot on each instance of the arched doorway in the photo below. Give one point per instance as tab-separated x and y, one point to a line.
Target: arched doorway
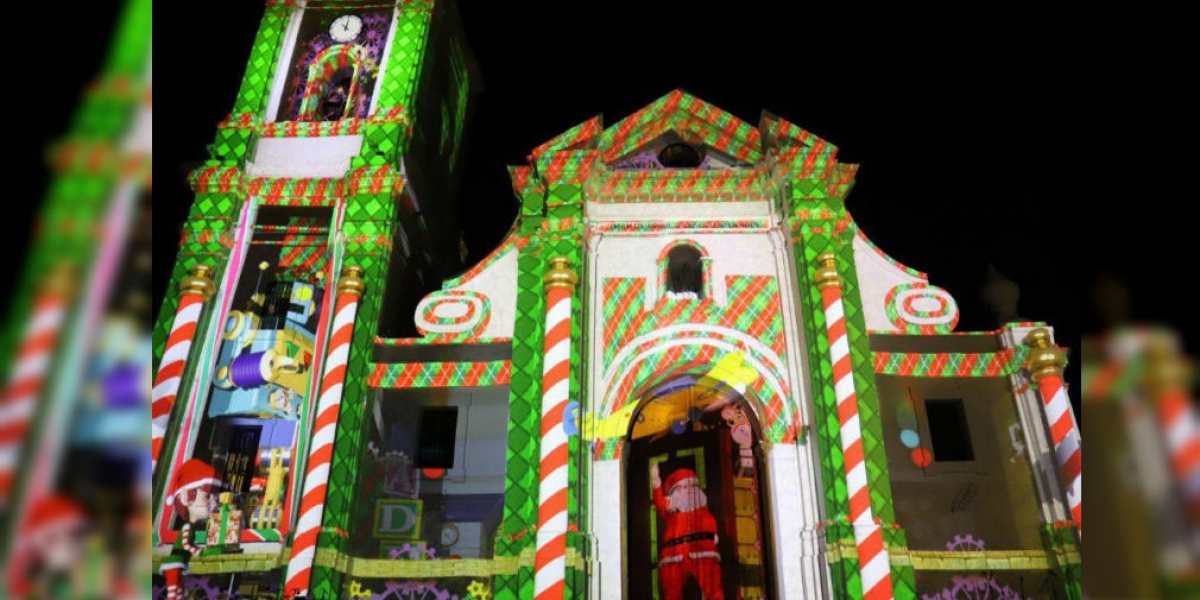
697	524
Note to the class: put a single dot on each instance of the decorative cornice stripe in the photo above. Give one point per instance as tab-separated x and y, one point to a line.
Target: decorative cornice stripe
230	563
963	560
382	341
375	568
292	129
709	226
227	179
992	333
440	374
986	364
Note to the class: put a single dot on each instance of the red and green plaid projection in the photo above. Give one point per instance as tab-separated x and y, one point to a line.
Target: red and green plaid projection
440	374
752	308
472	311
691	117
305	245
921	308
571	137
683	185
987	364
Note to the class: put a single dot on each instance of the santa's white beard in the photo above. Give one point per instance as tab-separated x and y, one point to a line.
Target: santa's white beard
686	500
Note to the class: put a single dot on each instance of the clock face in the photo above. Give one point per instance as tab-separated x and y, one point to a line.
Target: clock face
345	28
449	534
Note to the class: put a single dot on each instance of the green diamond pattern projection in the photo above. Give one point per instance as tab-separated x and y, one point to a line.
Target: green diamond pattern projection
521	461
372	212
264	58
558	235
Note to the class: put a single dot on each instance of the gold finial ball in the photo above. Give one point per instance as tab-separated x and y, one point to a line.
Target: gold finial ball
351	281
1166	369
60	280
1044	359
827	274
136	300
198	282
560	274
264	265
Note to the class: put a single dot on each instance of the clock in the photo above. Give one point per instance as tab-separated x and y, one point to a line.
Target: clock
345	28
449	534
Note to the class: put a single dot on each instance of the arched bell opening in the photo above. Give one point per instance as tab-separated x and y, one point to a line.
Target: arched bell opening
701	527
333	87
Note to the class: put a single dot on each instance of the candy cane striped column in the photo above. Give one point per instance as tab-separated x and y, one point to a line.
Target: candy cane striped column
194	290
550	560
1167	378
1045	364
33	360
316	478
874	566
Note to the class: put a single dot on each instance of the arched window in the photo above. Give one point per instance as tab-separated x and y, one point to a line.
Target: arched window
335	101
685	275
333	90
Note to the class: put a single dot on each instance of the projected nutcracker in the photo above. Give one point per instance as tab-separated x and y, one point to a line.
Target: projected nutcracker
689	547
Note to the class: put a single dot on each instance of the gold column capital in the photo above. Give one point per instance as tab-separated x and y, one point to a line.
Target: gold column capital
560	274
1044	358
827	274
198	282
1166	369
60	280
351	281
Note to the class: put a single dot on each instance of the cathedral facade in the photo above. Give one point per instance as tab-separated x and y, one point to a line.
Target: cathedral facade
685	372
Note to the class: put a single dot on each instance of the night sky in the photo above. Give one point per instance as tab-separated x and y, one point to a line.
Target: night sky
967	126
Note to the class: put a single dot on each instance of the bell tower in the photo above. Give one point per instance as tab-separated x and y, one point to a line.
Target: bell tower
326	206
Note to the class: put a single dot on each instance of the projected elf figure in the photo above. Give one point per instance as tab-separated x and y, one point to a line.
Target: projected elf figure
689	547
50	565
195	497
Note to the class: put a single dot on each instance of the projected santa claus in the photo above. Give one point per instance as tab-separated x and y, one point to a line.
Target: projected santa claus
689	545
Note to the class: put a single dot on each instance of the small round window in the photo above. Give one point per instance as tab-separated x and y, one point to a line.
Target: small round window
679	156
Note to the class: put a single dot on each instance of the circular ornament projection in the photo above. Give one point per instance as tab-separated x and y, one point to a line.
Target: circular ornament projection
921	308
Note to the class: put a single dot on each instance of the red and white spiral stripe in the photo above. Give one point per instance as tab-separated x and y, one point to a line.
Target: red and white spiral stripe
170	370
1065	436
316	477
1181	430
26	381
550	560
873	563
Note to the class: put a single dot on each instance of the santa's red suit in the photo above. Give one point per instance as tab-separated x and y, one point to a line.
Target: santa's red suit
689	545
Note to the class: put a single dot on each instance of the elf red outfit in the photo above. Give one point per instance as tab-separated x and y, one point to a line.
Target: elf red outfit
689	547
194	475
51	521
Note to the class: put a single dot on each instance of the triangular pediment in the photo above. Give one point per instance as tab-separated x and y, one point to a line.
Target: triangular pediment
681	117
714	140
654	154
